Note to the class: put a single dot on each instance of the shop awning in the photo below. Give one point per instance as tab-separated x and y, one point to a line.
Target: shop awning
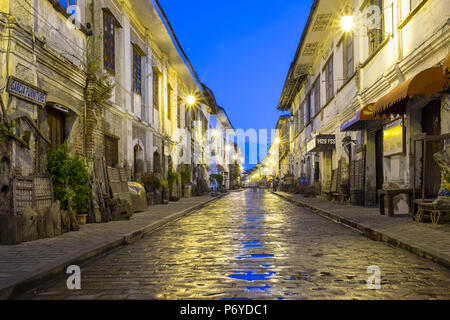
446	65
321	143
359	120
429	83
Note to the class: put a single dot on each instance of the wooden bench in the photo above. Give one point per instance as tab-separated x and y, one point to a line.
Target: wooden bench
330	186
390	194
341	193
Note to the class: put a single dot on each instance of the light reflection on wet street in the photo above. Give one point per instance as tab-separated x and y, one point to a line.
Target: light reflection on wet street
254	245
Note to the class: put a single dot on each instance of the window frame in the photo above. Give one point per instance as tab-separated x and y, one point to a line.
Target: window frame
170	93
411	12
376	37
109	33
329	83
348	72
156	89
179	104
317	99
137	71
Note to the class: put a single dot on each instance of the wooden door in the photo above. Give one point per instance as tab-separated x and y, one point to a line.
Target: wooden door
56	124
111	151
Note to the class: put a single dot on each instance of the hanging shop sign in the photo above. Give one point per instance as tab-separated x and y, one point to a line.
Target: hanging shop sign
323	142
25	91
393	138
360	119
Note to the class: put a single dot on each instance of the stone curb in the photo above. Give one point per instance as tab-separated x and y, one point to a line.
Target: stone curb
372	233
42	276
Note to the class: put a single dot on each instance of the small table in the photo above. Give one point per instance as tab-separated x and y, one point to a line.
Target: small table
390	194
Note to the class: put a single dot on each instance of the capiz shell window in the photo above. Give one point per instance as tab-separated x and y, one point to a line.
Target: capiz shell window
137	70
108	42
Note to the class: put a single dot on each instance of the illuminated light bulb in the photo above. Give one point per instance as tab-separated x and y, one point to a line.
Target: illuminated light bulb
347	23
190	100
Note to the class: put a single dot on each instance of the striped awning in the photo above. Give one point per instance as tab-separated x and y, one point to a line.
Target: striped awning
429	83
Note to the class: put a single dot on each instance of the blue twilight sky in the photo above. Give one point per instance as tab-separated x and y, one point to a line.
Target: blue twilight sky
242	50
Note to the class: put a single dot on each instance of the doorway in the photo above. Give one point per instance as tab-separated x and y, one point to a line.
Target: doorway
379	161
431	125
56	123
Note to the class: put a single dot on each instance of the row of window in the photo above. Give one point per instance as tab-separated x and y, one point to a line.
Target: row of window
312	104
109	23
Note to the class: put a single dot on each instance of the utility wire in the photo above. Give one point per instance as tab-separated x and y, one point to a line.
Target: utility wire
8	51
65	38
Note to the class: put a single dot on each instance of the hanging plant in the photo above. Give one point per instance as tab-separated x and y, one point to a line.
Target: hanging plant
99	87
185	177
7	130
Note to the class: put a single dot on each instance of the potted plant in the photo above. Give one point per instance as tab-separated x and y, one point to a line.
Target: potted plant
186	183
165	191
217	178
70	177
156	185
81	203
172	179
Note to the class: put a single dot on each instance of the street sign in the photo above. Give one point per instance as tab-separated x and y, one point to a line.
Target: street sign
25	91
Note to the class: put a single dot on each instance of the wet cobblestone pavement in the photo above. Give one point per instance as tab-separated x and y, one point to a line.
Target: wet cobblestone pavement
253	245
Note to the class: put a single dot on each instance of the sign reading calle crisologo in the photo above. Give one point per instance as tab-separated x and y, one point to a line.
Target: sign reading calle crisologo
25	91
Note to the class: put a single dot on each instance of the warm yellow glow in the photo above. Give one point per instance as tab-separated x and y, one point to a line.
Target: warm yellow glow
347	23
396	131
215	133
277	140
190	100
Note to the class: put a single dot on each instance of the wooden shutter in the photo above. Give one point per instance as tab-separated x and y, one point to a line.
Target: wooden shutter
111	151
155	89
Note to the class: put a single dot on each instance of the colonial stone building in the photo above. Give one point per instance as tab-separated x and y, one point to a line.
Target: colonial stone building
360	90
140	125
109	78
225	153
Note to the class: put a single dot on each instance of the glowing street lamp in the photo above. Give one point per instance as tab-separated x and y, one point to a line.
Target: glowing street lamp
190	100
347	23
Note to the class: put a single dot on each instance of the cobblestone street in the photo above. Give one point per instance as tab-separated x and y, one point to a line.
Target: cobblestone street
253	245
